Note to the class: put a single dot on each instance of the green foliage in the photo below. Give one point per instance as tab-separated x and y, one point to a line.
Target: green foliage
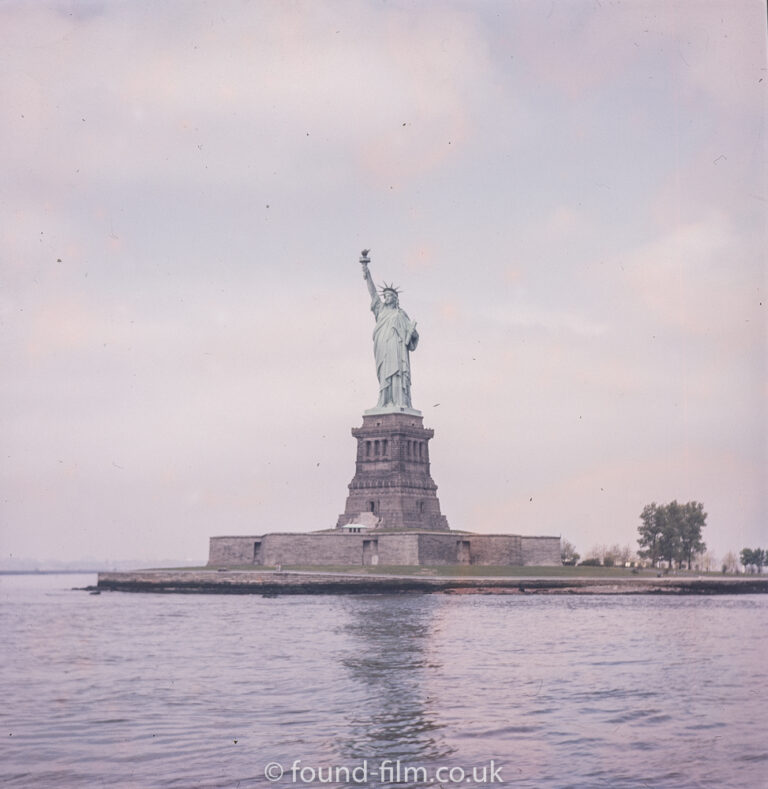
755	558
671	532
693	520
650	530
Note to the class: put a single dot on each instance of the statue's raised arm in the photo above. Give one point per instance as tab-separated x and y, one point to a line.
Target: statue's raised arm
364	261
394	337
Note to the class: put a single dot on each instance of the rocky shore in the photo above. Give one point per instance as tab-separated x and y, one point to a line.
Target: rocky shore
272	583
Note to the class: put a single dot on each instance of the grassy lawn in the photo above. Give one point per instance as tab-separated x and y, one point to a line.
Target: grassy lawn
472	571
467	571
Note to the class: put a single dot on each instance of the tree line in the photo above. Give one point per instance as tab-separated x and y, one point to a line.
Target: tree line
669	533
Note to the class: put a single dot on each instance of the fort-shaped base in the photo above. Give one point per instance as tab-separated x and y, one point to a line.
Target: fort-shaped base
338	547
392	480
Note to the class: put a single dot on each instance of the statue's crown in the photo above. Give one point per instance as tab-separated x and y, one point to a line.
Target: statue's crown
393	288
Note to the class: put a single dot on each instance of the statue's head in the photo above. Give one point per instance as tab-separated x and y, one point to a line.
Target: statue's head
390	295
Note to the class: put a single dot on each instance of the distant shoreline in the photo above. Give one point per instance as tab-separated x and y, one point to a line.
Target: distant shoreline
51	572
273	583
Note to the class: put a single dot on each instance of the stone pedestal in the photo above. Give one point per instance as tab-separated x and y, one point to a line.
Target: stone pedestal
392	480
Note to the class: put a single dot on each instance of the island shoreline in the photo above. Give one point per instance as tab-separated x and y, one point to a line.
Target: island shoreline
274	583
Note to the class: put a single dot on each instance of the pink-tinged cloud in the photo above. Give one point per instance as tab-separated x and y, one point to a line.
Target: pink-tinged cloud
698	278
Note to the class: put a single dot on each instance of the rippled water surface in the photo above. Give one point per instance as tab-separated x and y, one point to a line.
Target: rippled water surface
201	691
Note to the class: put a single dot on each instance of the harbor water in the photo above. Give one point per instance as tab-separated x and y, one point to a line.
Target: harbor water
172	690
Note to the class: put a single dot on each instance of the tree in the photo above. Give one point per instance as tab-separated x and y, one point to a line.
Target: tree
596	555
616	556
692	521
745	557
627	555
568	553
650	533
706	560
671	532
730	563
753	557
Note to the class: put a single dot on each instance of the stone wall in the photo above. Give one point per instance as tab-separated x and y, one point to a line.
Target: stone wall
498	549
439	549
319	549
398	549
232	550
540	551
313	549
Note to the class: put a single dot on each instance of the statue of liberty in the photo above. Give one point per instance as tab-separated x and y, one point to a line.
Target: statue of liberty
394	336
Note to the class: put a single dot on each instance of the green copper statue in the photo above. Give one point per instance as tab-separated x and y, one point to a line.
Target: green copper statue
393	337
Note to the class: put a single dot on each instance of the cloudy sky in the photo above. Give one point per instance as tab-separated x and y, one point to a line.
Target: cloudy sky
572	196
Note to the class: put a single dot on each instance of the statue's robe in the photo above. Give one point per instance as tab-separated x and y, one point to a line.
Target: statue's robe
393	338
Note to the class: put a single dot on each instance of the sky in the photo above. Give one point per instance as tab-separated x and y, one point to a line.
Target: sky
571	196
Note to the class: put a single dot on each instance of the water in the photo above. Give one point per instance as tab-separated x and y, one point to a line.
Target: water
204	691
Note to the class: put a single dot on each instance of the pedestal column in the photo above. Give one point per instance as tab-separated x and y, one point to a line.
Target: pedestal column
392	486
